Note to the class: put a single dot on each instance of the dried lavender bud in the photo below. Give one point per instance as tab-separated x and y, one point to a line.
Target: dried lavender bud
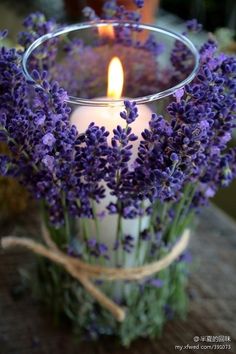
139	3
193	25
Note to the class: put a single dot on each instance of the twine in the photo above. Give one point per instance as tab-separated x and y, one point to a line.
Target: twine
84	272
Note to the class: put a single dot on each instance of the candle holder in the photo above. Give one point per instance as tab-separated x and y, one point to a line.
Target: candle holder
120	172
77	57
105	237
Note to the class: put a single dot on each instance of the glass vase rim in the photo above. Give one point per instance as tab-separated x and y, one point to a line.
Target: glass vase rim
102	23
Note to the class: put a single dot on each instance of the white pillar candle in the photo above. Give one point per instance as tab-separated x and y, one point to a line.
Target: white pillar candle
109	117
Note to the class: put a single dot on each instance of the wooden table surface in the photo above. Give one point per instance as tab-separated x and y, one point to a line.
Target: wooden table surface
25	327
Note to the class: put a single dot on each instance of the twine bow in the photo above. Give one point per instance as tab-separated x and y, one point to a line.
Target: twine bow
84	272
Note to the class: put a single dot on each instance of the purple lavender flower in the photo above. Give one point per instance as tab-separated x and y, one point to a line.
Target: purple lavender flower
102	249
97	249
193	25
119	177
179	94
112	208
130	113
164	178
206	104
49	162
92	243
49	139
146	235
113	11
110	9
151	45
128	243
139	3
90	14
67	169
36	25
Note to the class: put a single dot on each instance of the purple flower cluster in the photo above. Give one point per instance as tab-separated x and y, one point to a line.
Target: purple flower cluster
48	156
193	25
71	170
128	243
97	249
181	57
130	113
118	171
90	14
139	3
113	11
36	26
157	174
207	114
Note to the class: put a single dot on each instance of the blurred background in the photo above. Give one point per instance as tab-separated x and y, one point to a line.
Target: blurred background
217	17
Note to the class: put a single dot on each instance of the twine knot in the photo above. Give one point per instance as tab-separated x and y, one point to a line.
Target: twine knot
85	272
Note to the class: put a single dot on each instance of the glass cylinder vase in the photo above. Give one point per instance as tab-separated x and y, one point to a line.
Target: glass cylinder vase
120	78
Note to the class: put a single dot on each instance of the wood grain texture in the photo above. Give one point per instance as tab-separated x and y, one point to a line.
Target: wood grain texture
25	327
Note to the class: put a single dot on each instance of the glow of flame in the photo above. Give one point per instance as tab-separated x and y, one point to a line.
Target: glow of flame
115	79
106	31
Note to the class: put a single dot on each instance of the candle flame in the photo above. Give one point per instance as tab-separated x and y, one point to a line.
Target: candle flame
106	31
115	79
